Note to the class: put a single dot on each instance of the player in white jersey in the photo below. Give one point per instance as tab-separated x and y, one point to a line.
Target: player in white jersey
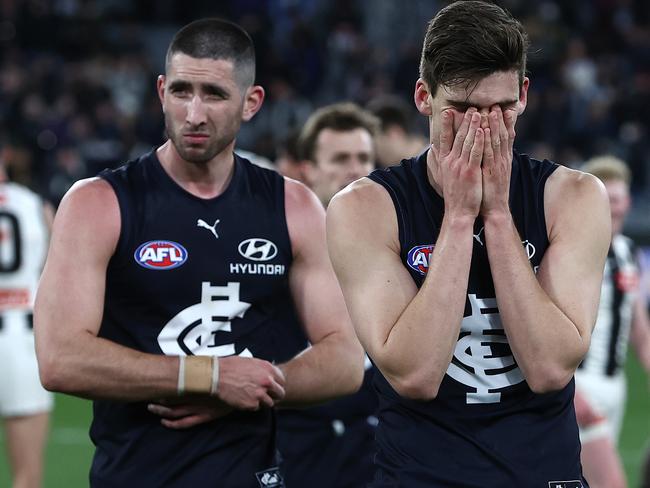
24	404
622	317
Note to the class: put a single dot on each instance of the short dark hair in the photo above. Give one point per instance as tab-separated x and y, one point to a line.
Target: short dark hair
217	39
391	111
340	117
469	40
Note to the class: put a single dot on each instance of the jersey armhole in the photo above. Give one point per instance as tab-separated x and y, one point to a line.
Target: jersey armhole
125	229
541	202
399	212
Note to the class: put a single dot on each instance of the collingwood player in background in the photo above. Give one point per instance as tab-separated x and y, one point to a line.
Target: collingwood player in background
25	221
622	318
472	274
173	281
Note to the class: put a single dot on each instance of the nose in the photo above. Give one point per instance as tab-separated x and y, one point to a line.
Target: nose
196	113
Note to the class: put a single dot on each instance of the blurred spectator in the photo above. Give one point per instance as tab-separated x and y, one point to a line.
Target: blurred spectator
396	140
288	161
79	72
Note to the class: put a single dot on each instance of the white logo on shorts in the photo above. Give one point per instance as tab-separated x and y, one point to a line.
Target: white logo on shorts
270	478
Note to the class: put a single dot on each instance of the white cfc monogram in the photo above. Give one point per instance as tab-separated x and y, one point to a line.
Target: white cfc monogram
194	330
474	350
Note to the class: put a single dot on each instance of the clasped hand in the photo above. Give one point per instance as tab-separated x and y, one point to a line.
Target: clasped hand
244	384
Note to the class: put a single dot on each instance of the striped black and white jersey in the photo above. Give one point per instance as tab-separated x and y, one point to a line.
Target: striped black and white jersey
23	245
609	340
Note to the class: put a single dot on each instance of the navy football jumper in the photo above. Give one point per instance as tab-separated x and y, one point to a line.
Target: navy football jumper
485	428
203	277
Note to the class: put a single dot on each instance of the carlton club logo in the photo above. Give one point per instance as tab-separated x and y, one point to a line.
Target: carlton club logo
481	359
160	255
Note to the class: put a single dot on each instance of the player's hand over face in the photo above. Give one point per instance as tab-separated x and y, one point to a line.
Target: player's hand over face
497	161
459	167
249	383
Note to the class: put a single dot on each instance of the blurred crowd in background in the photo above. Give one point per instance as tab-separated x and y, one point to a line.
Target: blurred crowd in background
77	77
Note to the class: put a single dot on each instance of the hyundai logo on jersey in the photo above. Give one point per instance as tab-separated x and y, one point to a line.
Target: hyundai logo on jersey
257	249
419	256
160	255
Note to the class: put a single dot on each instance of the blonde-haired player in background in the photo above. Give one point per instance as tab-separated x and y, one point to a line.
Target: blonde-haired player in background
622	316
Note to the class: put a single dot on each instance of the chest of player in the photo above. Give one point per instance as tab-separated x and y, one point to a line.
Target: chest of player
483	366
418	251
200	262
219	244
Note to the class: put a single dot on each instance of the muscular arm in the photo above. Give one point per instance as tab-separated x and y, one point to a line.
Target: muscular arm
409	334
333	365
548	318
69	307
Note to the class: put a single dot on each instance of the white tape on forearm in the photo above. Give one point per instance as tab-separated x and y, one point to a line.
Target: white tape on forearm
181	375
215	375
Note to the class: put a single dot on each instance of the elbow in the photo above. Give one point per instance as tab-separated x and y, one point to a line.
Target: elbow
414	388
51	372
354	376
50	376
549	380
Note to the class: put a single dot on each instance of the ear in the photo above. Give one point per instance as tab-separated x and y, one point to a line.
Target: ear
253	100
160	88
523	96
422	98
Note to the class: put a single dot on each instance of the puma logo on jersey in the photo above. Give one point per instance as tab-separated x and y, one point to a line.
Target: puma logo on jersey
160	255
478	237
212	228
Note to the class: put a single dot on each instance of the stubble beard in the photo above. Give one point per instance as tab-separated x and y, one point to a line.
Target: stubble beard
196	155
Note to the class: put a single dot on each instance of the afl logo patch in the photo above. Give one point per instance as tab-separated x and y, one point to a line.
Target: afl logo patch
419	256
161	255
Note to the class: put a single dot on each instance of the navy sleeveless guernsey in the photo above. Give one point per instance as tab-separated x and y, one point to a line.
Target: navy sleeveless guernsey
485	428
203	277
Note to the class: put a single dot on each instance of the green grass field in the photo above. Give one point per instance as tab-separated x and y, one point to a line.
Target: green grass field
69	451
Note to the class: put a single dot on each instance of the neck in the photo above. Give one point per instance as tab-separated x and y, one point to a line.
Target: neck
204	180
433	172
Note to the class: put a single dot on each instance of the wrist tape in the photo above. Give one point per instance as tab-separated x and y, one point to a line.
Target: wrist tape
198	374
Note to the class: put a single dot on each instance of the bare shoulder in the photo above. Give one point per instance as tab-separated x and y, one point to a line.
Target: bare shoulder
89	212
298	197
571	196
363	214
89	192
575	184
363	192
305	218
